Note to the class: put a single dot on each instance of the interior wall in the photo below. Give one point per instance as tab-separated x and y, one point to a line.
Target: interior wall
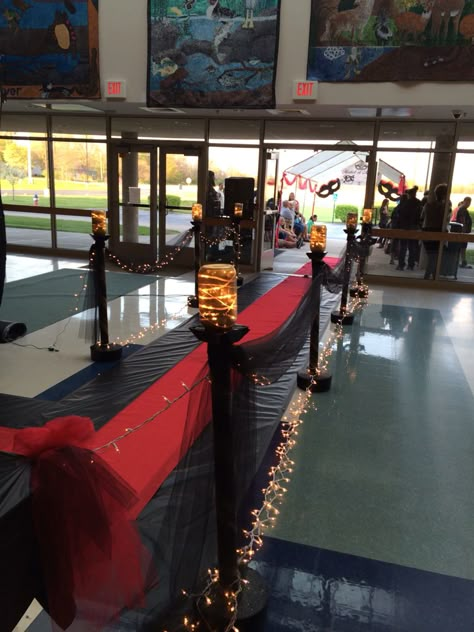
123	55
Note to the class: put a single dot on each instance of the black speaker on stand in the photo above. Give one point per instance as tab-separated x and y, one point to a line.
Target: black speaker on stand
241	190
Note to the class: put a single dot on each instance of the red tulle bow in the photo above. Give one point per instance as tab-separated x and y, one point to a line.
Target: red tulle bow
93	561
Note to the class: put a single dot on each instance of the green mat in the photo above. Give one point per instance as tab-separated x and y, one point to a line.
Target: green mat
42	300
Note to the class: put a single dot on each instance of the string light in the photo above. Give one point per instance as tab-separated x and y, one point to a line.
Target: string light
129	431
158	264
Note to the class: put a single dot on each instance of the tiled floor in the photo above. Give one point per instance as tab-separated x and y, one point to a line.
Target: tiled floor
383	476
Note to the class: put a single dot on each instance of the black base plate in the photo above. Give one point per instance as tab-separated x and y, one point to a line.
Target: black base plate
250	613
346	318
193	301
304	381
106	353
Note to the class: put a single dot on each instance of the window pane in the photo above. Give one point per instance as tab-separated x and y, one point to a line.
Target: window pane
88	126
80	174
23	172
242	131
28	229
466	136
319	132
416	135
28	125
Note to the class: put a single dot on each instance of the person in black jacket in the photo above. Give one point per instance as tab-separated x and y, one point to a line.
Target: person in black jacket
409	214
464	217
433	220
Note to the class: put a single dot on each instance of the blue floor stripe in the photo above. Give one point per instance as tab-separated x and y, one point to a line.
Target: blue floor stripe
313	589
73	382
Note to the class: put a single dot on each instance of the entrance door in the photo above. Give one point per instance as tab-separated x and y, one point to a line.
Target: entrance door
133	203
152	191
181	182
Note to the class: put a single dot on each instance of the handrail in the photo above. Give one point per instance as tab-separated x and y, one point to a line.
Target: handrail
422	235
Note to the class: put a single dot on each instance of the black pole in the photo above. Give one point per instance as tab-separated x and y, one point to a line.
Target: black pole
193	301
314	379
366	240
219	352
237	247
252	599
342	316
102	350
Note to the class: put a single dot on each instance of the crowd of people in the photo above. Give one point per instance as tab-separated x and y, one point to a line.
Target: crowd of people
426	214
292	228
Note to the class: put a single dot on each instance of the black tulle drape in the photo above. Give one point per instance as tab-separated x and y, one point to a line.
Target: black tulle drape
179	523
3	249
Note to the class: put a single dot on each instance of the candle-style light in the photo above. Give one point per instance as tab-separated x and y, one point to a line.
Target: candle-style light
196	212
238	209
367	216
351	221
217	287
314	378
318	237
99	222
102	350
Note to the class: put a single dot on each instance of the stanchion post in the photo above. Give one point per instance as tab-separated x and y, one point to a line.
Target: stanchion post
236	219
315	379
196	222
102	350
342	316
360	290
218	329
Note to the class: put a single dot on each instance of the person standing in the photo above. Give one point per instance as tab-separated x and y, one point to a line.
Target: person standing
464	217
409	215
433	221
384	220
220	193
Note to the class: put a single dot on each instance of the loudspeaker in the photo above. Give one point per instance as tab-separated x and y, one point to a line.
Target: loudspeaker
239	190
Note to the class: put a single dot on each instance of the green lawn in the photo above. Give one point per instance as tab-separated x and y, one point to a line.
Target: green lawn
63	225
80	202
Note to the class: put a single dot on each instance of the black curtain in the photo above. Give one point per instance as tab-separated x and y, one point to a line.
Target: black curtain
3	248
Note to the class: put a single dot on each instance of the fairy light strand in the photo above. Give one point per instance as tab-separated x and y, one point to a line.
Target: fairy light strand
169	403
155	266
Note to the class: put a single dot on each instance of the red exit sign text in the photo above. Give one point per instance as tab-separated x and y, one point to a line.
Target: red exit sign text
306	90
115	89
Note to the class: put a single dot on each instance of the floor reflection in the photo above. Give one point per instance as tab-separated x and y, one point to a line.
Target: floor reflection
312	589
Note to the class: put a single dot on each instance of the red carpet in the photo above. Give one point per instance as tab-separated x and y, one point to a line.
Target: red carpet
146	457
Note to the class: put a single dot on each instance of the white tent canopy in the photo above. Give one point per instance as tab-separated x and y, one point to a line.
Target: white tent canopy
330	160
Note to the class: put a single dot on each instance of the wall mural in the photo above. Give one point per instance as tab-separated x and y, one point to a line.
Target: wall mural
49	48
212	53
391	40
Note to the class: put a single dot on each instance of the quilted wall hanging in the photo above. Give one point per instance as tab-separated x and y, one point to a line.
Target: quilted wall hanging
212	53
391	40
49	49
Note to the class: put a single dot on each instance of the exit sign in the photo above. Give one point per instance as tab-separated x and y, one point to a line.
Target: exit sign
305	90
115	89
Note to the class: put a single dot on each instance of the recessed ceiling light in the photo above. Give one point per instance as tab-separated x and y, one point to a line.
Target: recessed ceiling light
163	110
362	112
397	112
289	111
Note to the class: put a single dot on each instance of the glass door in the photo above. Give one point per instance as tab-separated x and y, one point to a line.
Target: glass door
181	181
133	202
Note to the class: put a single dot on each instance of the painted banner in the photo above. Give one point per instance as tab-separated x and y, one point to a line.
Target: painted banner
49	49
212	53
391	40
